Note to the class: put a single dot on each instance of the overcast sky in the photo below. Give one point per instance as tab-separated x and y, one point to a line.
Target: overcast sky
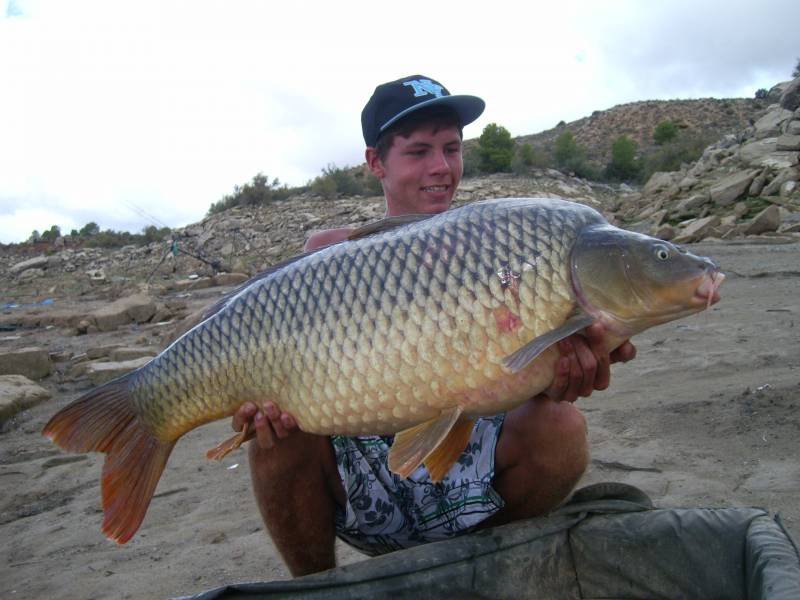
145	112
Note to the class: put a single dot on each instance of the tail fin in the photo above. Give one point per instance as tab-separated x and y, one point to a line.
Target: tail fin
103	420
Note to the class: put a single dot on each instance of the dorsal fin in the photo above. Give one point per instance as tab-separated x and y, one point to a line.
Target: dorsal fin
386	224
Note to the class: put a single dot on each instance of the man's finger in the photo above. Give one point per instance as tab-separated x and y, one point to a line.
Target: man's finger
575	379
559	385
264	433
243	416
624	353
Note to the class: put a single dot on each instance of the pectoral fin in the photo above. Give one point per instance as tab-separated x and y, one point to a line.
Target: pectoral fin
524	356
446	454
412	446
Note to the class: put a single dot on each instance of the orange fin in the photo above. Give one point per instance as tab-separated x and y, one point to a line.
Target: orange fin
222	450
103	420
446	454
412	446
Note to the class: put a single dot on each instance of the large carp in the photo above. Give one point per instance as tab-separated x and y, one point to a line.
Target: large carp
416	326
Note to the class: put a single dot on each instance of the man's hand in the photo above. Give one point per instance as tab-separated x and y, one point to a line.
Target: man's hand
269	422
585	364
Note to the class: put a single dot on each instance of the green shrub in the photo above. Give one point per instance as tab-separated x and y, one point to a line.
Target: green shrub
472	162
665	132
687	148
336	181
256	192
796	72
51	234
495	149
567	149
90	229
761	93
624	165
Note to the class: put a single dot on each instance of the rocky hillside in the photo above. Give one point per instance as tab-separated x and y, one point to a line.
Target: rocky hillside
745	184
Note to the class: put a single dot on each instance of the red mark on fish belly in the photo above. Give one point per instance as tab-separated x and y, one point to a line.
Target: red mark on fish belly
507	321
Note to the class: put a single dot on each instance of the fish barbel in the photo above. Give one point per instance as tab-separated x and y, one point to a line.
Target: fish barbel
415	326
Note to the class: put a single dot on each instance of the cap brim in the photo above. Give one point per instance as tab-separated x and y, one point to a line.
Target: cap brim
468	108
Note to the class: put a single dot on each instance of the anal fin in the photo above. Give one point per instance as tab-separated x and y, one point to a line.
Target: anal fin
222	450
447	452
412	446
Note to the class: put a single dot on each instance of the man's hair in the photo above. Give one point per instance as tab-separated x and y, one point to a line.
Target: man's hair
438	117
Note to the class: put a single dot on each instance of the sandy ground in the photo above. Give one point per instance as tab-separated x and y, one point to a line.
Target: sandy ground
707	415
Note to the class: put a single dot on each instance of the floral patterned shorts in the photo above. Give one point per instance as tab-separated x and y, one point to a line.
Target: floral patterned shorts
386	513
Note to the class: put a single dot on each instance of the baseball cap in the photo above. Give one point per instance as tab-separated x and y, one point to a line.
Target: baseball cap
392	101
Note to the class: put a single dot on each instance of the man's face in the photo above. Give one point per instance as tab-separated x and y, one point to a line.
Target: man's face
421	172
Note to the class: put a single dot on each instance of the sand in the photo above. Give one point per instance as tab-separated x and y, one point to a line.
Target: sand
707	415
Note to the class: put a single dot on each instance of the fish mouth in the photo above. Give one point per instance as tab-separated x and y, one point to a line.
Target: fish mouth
708	291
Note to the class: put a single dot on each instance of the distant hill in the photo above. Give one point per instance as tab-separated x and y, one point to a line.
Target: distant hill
708	119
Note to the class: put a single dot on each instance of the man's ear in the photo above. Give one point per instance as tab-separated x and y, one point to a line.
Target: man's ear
374	162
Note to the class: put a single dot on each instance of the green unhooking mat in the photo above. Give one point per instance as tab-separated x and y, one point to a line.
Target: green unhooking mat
607	542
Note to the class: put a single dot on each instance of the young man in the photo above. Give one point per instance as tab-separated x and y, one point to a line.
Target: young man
310	488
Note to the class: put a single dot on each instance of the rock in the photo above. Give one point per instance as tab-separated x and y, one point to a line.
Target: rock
97	275
31	274
788	188
697	229
784	175
101	372
18	393
788	142
95	352
692	204
131	352
138	308
665	232
790	99
740	209
768	219
752	153
38	262
758	184
770	124
793	128
658	181
732	187
780	160
33	363
225	279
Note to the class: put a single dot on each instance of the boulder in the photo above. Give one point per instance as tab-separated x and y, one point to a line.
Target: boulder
770	124
758	183
692	204
230	278
95	352
780	160
768	219
18	393
137	308
33	363
788	188
131	352
732	187
101	372
665	232
784	175
751	154
793	128
697	229
790	98
659	181
788	142
38	262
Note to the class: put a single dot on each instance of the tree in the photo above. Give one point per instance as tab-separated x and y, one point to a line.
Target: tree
567	150
52	234
90	229
796	72
761	93
665	132
623	166
495	148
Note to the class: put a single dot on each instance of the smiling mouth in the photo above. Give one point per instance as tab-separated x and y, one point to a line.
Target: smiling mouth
436	189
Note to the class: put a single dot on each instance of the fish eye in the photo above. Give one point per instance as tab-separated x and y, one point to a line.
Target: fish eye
661	252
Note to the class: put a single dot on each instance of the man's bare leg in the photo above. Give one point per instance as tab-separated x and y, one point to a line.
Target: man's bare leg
541	454
297	488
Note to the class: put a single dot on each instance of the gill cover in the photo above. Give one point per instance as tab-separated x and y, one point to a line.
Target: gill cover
632	281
